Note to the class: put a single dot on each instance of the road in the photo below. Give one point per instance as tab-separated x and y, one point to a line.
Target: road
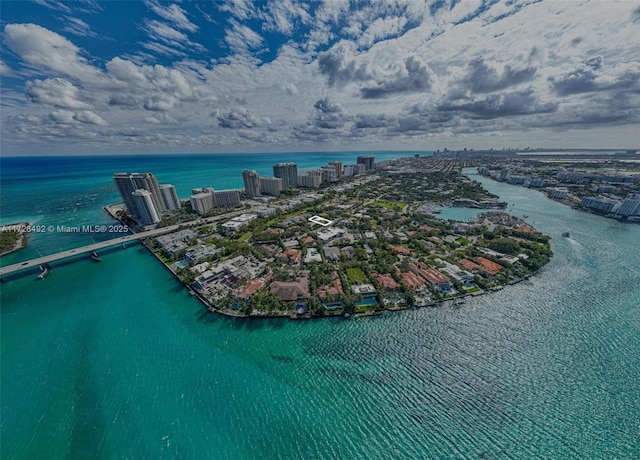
105	244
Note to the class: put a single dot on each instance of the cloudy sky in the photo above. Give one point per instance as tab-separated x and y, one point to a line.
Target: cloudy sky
280	75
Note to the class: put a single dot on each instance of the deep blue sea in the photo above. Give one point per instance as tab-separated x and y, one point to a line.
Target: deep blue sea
116	360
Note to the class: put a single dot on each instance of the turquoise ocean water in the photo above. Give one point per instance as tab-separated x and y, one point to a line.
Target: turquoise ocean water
115	360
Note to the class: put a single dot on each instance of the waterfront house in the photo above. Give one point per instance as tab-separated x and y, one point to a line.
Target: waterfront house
199	252
253	286
489	266
466	263
333	289
386	281
291	291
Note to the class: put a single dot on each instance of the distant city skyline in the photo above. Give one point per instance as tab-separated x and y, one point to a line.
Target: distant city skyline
280	76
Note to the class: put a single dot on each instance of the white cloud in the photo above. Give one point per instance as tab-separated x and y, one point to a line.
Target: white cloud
381	28
78	27
44	50
5	70
172	13
164	118
153	79
64	117
160	103
162	31
404	77
67	117
55	91
167	40
241	117
59	6
241	38
89	117
240	9
282	15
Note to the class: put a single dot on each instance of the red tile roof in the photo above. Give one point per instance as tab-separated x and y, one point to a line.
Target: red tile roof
412	280
490	266
335	289
252	287
292	255
400	249
468	264
386	281
434	276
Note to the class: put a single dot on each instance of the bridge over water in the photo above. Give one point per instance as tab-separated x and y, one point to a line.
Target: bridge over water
105	244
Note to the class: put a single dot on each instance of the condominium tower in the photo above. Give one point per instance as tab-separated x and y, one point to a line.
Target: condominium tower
367	161
127	183
251	183
147	213
338	166
202	200
271	185
288	172
170	197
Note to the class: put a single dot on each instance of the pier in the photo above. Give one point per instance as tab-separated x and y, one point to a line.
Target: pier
29	264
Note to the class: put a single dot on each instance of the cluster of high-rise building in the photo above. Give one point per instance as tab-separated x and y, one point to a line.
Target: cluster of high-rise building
288	172
285	176
147	202
629	208
255	186
576	187
204	200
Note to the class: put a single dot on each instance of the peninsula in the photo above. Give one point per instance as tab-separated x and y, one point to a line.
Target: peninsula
354	244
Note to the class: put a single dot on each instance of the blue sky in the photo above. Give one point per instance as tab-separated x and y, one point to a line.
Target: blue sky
234	76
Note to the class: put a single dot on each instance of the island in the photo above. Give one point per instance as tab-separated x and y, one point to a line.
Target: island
13	237
355	246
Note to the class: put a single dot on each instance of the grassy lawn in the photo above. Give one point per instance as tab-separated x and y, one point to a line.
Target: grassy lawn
246	236
391	205
356	275
167	260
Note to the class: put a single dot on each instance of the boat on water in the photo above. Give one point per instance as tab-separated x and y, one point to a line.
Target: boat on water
94	257
44	271
565	234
